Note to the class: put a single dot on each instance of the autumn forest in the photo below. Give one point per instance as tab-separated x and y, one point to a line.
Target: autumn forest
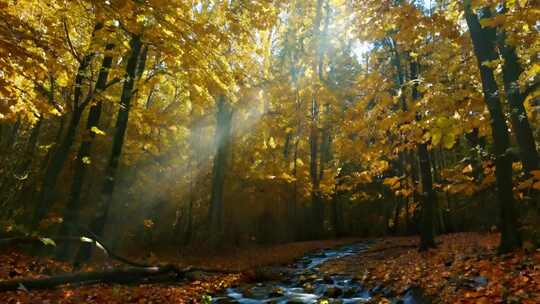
180	151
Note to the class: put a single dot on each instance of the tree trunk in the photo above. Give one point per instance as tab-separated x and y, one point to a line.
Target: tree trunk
52	172
429	197
12	136
98	223
484	49
46	195
223	134
520	122
72	210
317	207
189	229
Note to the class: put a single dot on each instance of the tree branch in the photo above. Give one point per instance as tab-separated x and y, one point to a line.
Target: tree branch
92	95
68	38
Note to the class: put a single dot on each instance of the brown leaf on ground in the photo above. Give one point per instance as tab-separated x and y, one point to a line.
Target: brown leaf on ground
463	269
17	265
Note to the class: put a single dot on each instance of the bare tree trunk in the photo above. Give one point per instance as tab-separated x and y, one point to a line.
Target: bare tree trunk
429	197
46	195
520	122
484	49
223	133
134	65
72	210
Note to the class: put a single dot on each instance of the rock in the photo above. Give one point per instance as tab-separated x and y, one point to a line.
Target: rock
387	292
276	292
350	292
481	281
333	292
308	287
268	274
225	301
416	295
376	289
195	276
328	280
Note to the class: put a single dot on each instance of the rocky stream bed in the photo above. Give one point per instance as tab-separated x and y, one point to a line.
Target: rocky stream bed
303	282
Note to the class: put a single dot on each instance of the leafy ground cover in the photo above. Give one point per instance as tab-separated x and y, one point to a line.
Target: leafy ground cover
16	264
463	269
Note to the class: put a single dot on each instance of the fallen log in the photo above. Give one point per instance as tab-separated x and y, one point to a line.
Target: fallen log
29	240
136	273
114	276
132	275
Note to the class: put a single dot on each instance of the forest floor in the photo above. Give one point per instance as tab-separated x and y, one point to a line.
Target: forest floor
14	264
463	269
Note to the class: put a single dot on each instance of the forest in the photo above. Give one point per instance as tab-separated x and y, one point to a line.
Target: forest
269	151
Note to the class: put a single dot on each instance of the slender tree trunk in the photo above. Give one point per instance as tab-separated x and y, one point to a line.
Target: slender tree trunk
429	197
429	200
316	223
295	218
57	139
317	208
133	66
223	133
46	195
518	115
484	49
12	136
414	181
72	210
189	229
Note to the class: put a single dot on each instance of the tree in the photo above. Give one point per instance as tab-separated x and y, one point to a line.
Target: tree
484	42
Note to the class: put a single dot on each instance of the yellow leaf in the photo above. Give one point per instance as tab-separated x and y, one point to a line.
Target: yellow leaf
272	143
97	131
148	223
448	141
62	79
55	112
391	181
288	178
467	169
436	136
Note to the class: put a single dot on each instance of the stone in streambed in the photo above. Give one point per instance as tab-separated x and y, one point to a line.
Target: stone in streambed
308	287
226	301
328	280
276	292
350	292
268	274
333	292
